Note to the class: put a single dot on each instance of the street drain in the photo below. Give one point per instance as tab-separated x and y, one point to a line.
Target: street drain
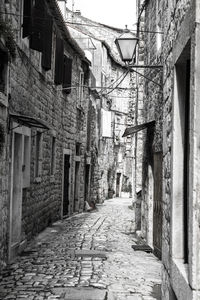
90	253
85	293
145	248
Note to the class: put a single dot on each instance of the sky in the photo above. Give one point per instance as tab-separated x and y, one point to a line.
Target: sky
116	13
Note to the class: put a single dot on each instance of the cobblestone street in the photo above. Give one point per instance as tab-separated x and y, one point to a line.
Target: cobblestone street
85	257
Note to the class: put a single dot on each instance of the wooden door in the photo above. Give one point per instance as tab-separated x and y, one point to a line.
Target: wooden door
66	184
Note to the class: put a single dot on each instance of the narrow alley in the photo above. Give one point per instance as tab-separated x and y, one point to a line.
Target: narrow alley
99	150
87	256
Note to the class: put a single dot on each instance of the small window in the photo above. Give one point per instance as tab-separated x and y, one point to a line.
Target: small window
67	75
59	59
78	149
47	42
37	25
3	71
38	154
27	10
53	155
81	83
158	26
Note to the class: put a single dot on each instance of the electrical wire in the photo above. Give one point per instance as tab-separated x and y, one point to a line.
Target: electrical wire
147	78
80	24
117	84
114	82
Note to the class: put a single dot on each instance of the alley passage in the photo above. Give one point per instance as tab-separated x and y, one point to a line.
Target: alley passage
85	257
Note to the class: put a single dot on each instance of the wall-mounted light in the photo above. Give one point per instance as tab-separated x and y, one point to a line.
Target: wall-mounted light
126	44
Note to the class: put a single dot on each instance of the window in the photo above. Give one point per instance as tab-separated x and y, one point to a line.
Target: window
3	71
78	149
59	59
80	90
53	155
47	42
26	26
38	154
37	25
67	75
158	26
37	28
104	82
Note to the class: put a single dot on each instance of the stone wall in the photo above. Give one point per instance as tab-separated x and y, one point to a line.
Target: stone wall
4	161
177	21
32	92
4	167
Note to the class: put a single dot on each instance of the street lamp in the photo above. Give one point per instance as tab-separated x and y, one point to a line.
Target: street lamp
126	44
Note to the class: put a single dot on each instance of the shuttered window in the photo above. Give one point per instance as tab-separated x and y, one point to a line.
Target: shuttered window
27	10
47	42
67	74
38	21
58	77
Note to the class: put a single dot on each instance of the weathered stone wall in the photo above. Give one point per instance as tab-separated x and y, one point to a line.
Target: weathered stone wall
177	21
4	162
174	19
32	95
4	167
149	108
32	92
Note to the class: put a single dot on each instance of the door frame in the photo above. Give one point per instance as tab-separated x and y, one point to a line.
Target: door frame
19	245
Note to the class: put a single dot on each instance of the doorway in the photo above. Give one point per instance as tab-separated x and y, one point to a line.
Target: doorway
20	178
118	184
87	182
66	184
76	186
181	145
16	210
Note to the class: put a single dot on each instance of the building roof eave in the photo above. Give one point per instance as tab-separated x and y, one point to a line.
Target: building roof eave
57	15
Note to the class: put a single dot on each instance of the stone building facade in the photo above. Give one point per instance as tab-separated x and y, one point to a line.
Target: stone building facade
174	141
45	101
113	84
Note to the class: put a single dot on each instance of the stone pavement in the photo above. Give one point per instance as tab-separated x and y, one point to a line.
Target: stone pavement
85	257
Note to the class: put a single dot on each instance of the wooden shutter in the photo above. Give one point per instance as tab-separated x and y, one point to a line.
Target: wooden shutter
58	77
38	22
47	42
67	74
27	10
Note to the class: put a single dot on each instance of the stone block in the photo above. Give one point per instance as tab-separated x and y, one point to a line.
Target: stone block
80	293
